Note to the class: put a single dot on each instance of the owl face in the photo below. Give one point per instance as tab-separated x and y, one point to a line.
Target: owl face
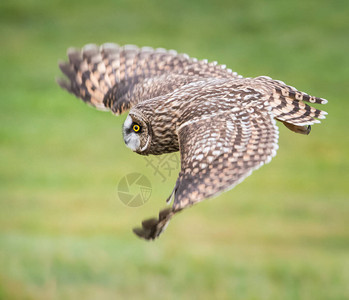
136	133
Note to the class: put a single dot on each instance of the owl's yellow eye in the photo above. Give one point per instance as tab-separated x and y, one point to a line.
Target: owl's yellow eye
136	128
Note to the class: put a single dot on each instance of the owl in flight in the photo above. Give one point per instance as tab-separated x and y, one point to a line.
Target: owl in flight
222	123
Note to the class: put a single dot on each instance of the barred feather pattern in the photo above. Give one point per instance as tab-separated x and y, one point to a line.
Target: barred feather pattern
289	105
222	123
221	142
98	74
115	78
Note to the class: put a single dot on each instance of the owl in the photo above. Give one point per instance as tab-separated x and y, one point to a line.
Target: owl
223	125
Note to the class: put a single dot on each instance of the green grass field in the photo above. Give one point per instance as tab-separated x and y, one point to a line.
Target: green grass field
281	234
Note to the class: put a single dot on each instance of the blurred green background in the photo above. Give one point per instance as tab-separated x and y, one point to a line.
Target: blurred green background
64	234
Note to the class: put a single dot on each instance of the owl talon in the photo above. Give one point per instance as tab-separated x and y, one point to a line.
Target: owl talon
169	199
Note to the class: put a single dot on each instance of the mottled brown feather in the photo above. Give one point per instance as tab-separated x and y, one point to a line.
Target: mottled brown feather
222	124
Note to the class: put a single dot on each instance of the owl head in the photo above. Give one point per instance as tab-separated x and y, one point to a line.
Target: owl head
136	132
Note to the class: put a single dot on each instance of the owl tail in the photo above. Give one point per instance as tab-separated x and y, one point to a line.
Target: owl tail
91	71
290	106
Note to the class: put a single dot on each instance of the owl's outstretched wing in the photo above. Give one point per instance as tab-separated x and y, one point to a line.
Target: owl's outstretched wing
115	78
217	152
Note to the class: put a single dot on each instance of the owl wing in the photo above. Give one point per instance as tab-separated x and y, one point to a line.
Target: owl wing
115	78
217	152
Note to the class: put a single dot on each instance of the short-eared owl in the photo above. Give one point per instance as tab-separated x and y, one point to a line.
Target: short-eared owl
222	123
